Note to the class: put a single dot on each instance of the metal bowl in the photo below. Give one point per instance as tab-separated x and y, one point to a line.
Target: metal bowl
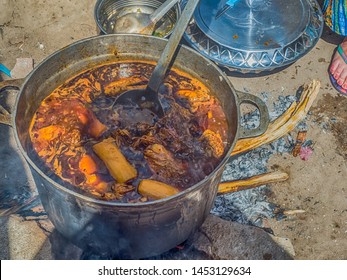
106	13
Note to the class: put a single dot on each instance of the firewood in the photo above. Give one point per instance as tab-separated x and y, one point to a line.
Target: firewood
283	124
293	212
252	182
300	139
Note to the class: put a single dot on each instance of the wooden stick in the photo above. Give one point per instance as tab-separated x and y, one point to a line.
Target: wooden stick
252	182
300	139
283	124
293	212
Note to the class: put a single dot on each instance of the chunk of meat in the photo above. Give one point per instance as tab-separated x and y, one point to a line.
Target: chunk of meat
90	122
195	98
96	128
212	117
214	141
163	163
45	135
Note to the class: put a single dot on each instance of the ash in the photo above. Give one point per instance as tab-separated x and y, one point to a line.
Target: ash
251	206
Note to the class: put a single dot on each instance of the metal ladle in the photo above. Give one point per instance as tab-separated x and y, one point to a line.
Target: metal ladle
148	98
140	22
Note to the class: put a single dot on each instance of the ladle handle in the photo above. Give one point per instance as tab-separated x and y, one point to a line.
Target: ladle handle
164	61
162	10
263	111
5	116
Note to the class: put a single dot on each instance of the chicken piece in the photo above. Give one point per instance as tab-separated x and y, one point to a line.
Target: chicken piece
214	141
120	190
44	136
117	192
145	140
72	115
213	118
163	163
195	98
88	119
175	129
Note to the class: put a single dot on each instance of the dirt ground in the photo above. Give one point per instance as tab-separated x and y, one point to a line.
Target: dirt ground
37	28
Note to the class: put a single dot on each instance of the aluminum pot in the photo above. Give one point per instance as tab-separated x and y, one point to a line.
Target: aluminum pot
120	230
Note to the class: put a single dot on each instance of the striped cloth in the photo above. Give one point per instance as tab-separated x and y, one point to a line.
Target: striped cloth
335	15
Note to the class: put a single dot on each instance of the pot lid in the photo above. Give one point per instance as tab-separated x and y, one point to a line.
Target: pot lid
255	35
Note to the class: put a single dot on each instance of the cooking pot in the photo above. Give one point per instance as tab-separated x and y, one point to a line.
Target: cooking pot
113	229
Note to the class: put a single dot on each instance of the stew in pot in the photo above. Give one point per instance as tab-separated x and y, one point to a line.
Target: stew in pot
123	153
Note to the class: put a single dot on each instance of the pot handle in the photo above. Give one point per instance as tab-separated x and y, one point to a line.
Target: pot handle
264	115
5	116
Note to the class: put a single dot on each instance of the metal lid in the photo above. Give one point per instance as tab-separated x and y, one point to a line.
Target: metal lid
255	35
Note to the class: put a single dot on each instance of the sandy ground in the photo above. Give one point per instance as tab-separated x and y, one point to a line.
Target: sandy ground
37	28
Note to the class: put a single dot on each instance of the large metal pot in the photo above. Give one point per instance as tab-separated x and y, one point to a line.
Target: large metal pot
115	229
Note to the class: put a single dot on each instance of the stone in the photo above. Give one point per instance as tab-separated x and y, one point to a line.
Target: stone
20	239
221	239
218	239
22	68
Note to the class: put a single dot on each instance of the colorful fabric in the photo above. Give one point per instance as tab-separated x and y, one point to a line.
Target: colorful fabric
335	15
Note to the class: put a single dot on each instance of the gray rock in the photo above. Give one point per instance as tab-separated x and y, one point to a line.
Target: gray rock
20	239
227	240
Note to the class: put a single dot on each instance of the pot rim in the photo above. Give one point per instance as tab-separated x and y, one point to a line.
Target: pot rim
113	203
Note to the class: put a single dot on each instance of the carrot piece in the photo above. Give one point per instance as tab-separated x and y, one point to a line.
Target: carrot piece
87	165
95	183
92	179
155	189
118	166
